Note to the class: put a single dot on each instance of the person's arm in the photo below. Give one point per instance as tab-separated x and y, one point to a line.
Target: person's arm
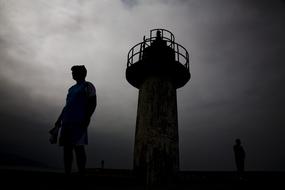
58	123
243	153
54	131
59	120
91	103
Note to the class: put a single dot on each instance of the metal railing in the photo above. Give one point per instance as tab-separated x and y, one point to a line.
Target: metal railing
136	52
165	34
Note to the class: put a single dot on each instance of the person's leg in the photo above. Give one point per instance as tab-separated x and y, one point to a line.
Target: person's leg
67	158
80	158
242	165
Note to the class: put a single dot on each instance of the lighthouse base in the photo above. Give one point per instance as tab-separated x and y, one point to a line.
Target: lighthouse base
156	152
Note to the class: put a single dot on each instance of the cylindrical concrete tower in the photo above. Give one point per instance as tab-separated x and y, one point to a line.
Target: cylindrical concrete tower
157	67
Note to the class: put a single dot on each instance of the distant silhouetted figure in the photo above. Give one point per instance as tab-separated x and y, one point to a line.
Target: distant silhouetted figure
239	156
102	164
74	120
158	35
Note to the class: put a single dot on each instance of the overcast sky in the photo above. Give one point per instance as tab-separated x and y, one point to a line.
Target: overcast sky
236	89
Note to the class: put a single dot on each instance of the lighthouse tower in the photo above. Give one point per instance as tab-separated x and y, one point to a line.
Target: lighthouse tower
157	67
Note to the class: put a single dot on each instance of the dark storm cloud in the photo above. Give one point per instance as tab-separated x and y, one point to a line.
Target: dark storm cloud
240	90
130	3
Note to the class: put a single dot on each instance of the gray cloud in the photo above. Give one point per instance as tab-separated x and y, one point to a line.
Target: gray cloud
236	88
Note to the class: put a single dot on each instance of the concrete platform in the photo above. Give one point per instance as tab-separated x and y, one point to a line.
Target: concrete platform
109	179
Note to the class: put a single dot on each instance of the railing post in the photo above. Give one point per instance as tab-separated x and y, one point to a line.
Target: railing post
139	52
187	59
177	53
132	56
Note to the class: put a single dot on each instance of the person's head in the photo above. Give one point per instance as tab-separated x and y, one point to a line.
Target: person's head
79	72
238	141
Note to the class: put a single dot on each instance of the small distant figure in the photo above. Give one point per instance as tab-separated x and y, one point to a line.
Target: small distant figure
239	156
158	35
102	164
74	119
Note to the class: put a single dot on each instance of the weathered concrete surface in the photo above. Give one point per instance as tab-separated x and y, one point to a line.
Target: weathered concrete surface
156	153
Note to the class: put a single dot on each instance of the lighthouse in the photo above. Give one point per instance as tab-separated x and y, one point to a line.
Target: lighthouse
157	67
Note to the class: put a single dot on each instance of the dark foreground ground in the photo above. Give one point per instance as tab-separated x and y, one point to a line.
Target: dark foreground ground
109	179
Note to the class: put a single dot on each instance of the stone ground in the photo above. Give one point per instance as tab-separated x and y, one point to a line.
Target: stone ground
109	179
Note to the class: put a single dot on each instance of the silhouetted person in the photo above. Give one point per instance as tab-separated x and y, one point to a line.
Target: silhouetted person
102	164
239	156
158	35
74	119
